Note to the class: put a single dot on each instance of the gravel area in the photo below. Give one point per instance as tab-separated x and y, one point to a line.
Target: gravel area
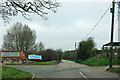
105	67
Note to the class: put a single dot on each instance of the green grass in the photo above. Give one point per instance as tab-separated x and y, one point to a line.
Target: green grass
71	60
102	61
0	71
37	63
113	69
79	61
13	73
98	61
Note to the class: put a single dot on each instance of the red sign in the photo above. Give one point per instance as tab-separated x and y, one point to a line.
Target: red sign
12	54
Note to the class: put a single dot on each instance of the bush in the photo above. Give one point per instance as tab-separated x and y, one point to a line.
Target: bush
50	55
79	61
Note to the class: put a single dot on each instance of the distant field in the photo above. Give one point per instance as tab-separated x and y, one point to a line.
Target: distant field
12	73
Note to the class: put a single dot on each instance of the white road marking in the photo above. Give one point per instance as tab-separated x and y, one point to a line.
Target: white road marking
33	77
83	75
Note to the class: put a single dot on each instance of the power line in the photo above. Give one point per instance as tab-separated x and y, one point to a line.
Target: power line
98	21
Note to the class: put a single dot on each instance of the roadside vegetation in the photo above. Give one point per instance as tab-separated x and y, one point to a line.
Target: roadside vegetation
12	73
114	69
85	49
37	63
19	35
98	61
86	53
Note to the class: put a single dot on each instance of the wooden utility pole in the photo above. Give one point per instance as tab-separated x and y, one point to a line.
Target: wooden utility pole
112	32
76	51
75	46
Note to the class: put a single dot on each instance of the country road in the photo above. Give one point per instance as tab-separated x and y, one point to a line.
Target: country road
67	69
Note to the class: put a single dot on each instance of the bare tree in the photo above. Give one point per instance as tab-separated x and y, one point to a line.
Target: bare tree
40	7
19	37
38	47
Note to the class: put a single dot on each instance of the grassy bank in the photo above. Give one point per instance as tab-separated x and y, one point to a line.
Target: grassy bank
12	73
116	70
37	63
98	61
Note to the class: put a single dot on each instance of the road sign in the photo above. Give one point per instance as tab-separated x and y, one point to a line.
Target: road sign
10	54
34	57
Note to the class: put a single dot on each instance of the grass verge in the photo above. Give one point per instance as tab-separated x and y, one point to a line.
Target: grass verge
114	69
98	61
37	63
14	74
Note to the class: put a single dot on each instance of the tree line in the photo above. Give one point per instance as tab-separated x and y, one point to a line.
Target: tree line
86	49
21	37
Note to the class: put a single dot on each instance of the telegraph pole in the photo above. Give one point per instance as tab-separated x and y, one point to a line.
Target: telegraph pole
112	32
75	50
75	46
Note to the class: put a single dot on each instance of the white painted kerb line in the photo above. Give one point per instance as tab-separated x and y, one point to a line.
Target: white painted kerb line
83	75
33	77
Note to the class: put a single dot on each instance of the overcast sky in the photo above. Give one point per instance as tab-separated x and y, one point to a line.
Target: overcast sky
72	22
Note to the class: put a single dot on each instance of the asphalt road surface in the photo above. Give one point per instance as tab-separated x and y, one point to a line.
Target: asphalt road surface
67	69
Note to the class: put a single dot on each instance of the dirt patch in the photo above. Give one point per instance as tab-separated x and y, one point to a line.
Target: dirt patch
106	68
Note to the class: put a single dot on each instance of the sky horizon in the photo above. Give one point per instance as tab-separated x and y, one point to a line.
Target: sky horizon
72	22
